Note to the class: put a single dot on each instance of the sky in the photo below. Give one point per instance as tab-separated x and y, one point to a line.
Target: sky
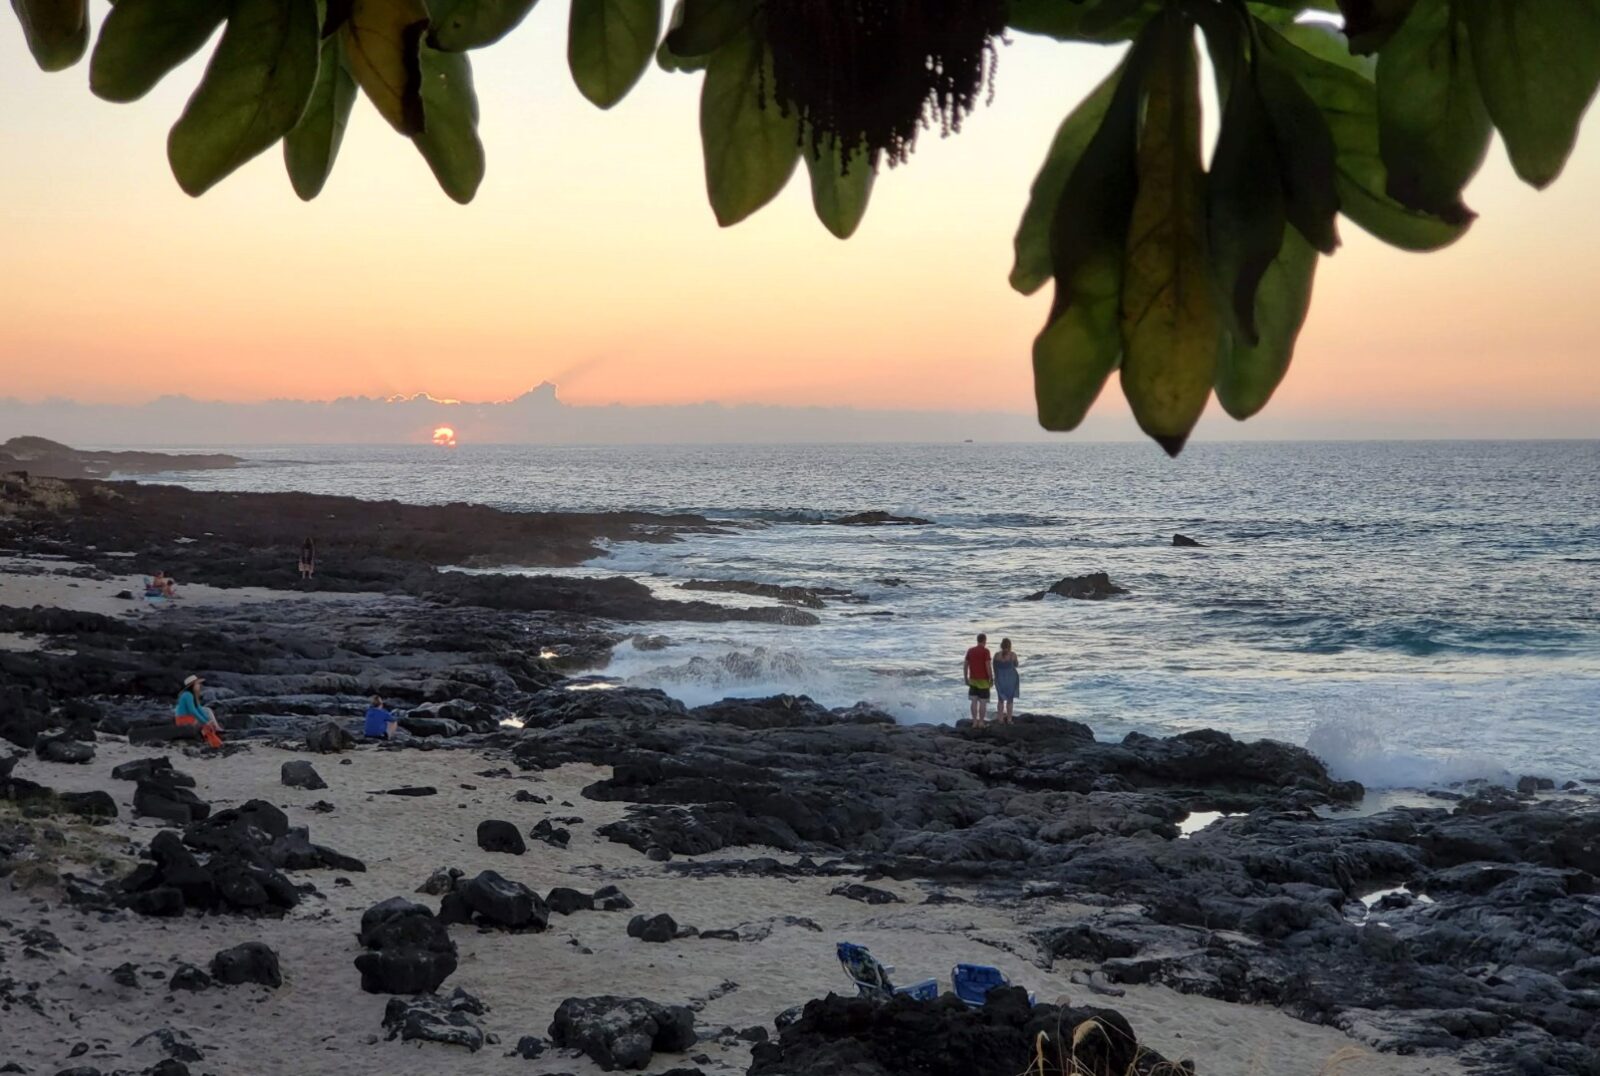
591	259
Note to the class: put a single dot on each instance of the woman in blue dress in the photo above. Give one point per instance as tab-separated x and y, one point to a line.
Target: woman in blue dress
1007	682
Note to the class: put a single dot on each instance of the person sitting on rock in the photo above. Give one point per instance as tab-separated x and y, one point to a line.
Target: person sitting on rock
190	714
380	722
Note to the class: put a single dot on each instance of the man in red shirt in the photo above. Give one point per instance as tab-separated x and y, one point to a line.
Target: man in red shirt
978	672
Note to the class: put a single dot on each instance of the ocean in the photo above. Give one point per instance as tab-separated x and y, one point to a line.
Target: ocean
1416	613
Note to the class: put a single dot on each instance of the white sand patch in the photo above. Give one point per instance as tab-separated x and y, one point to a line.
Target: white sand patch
321	1021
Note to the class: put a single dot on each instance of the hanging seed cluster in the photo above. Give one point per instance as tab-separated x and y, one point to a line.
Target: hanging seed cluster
873	73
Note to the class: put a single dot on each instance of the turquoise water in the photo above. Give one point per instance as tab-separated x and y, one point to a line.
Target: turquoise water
1417	612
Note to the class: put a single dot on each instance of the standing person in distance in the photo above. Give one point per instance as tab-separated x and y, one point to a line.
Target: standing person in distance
1007	683
977	670
308	560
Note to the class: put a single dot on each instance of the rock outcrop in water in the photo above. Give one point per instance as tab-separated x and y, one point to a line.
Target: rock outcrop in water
1095	586
41	457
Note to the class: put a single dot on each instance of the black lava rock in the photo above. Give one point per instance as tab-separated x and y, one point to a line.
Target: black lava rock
251	962
654	928
301	774
495	835
618	1032
409	950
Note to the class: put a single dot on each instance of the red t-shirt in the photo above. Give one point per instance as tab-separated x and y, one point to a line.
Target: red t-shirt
978	663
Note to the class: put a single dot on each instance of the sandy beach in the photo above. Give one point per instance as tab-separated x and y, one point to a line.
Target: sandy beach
787	926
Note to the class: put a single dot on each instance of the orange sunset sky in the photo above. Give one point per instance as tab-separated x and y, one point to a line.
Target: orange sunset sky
590	258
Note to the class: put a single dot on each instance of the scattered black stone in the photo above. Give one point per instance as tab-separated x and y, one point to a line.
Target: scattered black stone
721	934
431	1018
618	1032
167	1066
947	1038
529	1047
169	802
608	898
329	739
653	928
1529	784
190	978
158	769
565	901
126	974
409	950
440	881
172	1042
495	835
407	790
251	962
301	774
490	900
524	796
865	893
64	748
1095	586
550	834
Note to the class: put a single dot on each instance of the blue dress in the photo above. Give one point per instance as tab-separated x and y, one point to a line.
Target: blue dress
1007	681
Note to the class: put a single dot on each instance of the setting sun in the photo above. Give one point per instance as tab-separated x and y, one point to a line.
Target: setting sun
444	436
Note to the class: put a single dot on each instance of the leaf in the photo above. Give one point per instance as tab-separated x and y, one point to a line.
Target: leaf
142	40
1171	328
471	24
840	188
57	31
1349	103
252	94
1081	342
1082	20
1247	375
1433	128
750	147
449	141
1538	64
609	44
1371	23
1306	154
310	149
383	43
1244	200
1032	265
707	25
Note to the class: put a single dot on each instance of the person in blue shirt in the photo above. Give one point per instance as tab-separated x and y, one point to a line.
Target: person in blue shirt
188	713
380	722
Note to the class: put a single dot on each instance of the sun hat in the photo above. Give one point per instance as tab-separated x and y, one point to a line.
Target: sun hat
190	681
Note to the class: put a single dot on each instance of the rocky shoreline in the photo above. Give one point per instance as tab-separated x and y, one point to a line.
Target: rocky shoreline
1464	935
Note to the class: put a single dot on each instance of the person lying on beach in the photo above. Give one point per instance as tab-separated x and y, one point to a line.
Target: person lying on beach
977	672
190	714
161	585
380	722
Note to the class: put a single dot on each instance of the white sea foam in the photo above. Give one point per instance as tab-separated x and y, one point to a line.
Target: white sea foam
1355	747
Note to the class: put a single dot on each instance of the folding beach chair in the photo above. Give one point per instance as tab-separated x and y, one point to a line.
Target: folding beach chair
972	982
872	978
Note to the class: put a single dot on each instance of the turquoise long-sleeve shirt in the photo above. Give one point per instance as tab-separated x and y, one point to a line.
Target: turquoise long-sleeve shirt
187	707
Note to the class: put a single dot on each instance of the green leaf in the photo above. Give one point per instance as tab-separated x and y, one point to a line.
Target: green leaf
1306	153
750	147
57	31
310	149
668	60
252	94
1538	64
471	24
383	44
1031	267
840	188
1349	103
1082	20
1433	128
1081	342
1171	328
1372	22
449	142
142	40
1244	200
1247	375
707	25
609	44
